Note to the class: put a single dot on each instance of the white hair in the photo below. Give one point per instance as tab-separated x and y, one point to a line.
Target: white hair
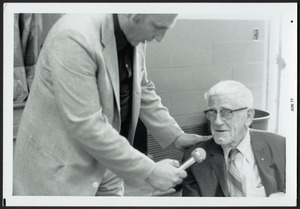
229	87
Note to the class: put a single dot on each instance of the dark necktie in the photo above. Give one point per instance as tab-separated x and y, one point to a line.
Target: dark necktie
235	187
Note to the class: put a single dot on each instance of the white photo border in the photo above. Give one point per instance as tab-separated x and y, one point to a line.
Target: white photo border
224	10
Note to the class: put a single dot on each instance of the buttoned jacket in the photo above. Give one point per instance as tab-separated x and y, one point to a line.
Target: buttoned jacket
209	177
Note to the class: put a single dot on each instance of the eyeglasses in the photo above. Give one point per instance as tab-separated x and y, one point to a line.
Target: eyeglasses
225	114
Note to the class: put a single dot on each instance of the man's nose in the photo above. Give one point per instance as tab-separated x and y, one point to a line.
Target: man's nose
219	120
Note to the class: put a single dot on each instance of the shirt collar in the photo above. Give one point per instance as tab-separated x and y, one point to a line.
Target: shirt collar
121	40
244	147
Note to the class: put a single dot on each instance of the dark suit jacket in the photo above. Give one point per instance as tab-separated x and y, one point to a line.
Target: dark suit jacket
208	178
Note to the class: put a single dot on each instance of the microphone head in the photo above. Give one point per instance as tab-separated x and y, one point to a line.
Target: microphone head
199	154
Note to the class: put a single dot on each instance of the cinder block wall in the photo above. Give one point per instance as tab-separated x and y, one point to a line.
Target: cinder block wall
196	54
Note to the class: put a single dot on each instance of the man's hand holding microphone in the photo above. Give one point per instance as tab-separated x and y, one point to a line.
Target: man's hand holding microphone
167	173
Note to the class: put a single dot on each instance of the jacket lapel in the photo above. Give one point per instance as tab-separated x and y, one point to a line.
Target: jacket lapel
111	59
111	56
216	160
263	160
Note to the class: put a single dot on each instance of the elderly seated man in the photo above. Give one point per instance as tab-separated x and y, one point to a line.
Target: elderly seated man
240	162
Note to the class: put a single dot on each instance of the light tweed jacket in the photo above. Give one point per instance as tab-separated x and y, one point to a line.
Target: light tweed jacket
69	131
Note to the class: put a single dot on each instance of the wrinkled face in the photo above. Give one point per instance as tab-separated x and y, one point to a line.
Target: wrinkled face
148	27
229	132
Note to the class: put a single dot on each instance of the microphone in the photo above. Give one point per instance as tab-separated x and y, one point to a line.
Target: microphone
198	155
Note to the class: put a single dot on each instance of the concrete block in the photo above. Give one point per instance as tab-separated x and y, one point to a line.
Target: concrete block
190	120
243	29
259	95
203	77
204	54
172	80
183	31
256	51
233	52
189	102
183	54
191	54
213	30
252	73
158	56
160	78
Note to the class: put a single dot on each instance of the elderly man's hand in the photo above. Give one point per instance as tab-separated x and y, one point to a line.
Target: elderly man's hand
187	140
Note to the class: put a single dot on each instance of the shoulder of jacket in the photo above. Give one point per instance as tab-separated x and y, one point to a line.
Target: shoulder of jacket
266	136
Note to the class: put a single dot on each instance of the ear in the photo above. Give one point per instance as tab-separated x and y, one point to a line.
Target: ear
137	18
250	116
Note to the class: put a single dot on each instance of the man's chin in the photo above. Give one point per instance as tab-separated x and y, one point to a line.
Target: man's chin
221	140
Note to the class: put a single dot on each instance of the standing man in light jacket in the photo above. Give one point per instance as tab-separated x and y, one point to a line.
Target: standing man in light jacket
90	87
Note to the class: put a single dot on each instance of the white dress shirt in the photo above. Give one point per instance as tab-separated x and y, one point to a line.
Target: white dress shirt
246	164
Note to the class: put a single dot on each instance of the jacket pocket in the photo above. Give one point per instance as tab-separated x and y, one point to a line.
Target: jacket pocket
43	161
